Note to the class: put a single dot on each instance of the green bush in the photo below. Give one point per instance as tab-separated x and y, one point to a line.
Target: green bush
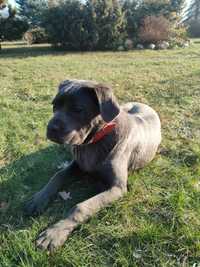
109	23
36	36
90	26
178	36
106	24
67	25
154	29
12	29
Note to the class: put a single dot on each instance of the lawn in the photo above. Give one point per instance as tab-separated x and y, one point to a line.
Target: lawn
158	222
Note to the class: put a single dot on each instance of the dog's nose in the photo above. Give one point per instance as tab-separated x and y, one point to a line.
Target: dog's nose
54	128
56	125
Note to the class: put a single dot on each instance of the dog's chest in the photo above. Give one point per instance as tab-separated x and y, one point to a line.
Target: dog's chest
86	158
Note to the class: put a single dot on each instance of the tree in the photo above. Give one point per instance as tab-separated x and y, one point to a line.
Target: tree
193	11
136	11
75	25
132	17
109	22
6	12
192	18
12	29
176	6
67	25
31	11
53	3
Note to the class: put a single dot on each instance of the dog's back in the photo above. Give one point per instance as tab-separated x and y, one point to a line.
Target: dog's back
146	133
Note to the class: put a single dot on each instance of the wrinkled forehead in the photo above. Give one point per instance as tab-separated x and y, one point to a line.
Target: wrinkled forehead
73	85
68	88
73	93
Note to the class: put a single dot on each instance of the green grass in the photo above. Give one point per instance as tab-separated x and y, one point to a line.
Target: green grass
158	222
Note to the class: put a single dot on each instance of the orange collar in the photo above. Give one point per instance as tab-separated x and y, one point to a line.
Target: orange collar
107	128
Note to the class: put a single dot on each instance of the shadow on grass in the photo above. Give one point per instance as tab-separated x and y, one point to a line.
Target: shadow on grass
23	51
25	176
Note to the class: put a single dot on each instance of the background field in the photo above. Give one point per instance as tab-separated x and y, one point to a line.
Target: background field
158	222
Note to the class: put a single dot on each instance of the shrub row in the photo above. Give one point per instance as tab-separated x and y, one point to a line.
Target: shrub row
98	24
106	24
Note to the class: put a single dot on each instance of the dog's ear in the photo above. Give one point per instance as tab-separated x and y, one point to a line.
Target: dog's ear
109	108
64	84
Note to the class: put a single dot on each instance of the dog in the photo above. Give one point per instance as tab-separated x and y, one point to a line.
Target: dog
106	140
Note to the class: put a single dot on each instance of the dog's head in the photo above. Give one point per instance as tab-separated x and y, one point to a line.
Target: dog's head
76	108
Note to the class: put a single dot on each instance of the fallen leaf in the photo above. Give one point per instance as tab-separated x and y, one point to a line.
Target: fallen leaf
64	195
137	254
63	165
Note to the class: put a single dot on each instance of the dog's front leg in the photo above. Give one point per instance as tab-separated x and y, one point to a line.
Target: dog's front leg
40	200
56	235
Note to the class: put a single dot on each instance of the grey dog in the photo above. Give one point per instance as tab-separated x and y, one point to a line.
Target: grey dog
106	141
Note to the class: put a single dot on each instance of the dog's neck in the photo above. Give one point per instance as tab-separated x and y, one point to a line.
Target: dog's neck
105	130
95	150
100	130
96	146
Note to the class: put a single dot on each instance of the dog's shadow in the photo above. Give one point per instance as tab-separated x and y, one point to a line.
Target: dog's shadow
22	178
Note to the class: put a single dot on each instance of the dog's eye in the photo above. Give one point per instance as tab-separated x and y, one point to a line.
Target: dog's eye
77	109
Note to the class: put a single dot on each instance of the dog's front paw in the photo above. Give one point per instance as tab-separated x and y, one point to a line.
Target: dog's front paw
52	238
37	203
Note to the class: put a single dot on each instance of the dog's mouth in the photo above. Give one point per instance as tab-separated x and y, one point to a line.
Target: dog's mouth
56	139
83	137
72	140
62	139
